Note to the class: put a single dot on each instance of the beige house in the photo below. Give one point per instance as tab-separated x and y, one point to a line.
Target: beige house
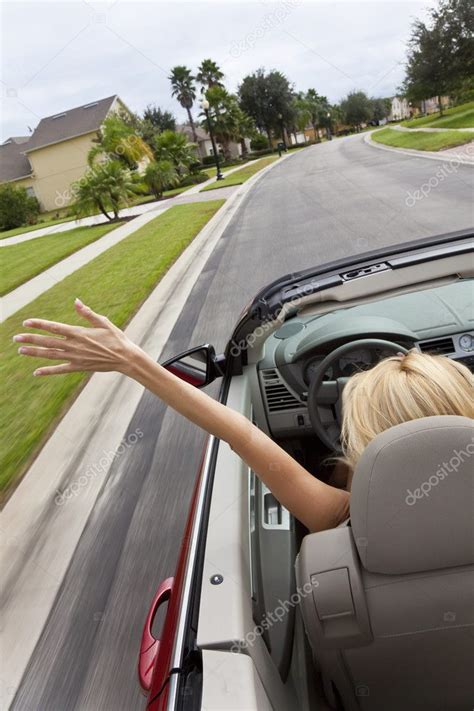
204	143
400	109
55	155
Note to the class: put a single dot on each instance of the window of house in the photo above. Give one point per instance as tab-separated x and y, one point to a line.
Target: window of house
30	191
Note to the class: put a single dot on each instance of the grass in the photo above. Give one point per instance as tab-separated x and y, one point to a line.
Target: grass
420	140
30	228
25	260
240	176
115	283
139	200
461	116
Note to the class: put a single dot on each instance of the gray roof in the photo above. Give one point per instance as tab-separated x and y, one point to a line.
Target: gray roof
201	134
13	162
70	123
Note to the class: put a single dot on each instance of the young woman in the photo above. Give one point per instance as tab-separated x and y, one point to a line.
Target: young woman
397	389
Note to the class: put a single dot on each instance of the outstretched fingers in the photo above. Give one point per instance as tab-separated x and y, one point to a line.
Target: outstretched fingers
50	353
60	329
37	340
55	369
95	319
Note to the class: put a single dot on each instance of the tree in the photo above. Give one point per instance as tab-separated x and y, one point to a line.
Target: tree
117	140
318	108
209	74
427	70
441	52
17	208
105	187
356	108
380	109
184	89
175	147
229	122
159	119
160	175
268	99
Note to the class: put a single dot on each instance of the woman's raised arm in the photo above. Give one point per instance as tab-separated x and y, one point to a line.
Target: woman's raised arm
104	347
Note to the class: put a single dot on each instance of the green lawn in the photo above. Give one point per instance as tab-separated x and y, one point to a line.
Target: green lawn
30	228
420	140
461	116
139	200
115	283
23	261
240	176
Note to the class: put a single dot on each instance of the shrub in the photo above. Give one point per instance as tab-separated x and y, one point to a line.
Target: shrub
17	208
210	160
259	143
161	175
193	179
258	154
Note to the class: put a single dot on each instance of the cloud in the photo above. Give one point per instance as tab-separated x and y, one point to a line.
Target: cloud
74	52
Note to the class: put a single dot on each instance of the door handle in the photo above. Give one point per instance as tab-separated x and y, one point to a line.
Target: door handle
149	645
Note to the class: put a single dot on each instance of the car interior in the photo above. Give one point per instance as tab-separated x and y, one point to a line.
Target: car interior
378	612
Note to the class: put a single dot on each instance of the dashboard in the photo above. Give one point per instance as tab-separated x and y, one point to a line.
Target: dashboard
438	321
353	362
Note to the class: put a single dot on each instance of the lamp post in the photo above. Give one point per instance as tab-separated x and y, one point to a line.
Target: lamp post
282	129
205	108
328	127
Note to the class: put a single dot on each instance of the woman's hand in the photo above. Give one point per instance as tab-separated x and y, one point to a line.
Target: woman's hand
104	347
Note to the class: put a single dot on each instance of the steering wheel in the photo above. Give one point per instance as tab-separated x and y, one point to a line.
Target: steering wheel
324	393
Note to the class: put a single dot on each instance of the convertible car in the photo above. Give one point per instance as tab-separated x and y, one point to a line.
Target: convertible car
377	613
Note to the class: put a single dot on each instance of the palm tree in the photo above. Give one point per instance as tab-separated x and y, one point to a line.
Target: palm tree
313	104
176	148
183	88
229	122
117	140
160	175
108	186
209	74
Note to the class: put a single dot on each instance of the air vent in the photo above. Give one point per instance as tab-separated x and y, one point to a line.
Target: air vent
277	394
437	346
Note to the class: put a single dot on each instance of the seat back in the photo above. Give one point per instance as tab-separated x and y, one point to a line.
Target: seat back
388	601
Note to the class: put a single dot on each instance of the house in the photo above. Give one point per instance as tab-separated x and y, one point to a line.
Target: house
431	106
55	155
400	109
204	142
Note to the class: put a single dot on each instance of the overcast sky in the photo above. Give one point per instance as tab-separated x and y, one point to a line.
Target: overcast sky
56	55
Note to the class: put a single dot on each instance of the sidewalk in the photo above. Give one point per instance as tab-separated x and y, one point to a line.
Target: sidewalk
99	219
463	155
30	290
428	129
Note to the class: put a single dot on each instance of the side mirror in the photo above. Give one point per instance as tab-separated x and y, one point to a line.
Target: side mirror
198	366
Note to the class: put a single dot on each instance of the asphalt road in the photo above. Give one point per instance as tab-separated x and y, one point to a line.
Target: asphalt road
331	200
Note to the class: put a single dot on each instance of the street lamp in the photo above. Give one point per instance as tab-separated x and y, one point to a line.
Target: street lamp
205	108
328	127
282	129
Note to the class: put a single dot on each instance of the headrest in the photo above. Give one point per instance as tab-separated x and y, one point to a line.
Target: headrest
412	495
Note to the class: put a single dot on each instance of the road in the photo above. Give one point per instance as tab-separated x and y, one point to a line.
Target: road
338	198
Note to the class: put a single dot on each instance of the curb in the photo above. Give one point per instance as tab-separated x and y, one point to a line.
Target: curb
417	154
35	557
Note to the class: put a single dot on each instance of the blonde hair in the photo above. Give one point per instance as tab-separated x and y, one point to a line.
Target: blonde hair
399	389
